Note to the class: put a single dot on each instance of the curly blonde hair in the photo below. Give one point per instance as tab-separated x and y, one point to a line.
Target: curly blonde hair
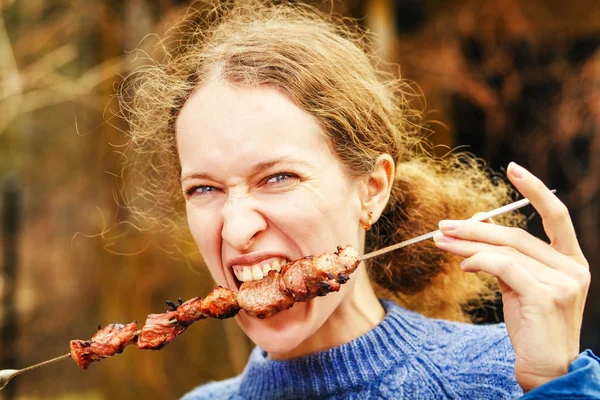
325	64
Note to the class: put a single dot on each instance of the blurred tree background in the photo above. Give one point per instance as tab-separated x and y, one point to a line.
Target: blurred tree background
509	80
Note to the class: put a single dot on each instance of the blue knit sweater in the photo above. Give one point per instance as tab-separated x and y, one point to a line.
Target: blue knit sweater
406	356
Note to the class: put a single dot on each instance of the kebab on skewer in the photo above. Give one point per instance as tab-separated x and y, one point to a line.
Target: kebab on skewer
299	281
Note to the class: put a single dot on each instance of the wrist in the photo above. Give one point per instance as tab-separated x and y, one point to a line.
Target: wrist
531	380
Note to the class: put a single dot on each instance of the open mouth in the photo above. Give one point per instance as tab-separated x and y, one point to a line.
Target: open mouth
247	273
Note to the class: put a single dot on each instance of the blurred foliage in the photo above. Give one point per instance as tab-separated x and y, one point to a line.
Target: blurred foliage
479	64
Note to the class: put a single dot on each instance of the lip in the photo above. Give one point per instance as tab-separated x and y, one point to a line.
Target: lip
253	258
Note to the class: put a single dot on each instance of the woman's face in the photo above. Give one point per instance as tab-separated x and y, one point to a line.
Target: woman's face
262	186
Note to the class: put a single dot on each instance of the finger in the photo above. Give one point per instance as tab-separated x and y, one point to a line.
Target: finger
467	248
488	221
506	269
555	216
516	238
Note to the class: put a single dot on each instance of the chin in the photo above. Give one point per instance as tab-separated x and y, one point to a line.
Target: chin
282	332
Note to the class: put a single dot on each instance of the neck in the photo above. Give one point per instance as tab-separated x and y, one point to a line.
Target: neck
357	314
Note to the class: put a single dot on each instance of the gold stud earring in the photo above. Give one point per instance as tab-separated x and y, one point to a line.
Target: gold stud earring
367	226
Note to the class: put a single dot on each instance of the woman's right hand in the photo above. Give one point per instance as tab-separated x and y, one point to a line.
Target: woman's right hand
543	286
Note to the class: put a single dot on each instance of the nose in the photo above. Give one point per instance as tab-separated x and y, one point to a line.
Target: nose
242	223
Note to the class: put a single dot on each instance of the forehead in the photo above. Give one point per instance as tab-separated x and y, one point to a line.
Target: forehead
222	125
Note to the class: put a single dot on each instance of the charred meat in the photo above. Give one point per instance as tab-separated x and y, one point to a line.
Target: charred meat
298	281
107	342
220	303
265	297
160	329
312	276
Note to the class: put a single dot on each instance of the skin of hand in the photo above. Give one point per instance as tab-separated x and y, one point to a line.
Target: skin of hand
543	285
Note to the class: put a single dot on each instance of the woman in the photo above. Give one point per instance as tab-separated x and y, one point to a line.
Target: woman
286	141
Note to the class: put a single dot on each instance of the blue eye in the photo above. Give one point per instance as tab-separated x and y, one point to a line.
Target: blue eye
281	181
205	189
278	178
199	190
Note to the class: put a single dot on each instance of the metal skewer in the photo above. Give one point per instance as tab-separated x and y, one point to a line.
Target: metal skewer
7	374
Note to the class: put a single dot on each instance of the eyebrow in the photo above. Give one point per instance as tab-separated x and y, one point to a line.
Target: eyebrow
256	169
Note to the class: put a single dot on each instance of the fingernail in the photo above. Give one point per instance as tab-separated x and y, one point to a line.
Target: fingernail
448	225
516	170
441	238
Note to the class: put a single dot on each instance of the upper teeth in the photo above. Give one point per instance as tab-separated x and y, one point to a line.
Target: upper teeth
258	271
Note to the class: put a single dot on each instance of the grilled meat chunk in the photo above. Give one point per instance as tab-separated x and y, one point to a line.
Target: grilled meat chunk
313	276
105	343
265	297
189	312
299	280
159	330
220	303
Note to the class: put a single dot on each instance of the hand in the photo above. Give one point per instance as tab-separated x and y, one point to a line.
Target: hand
543	285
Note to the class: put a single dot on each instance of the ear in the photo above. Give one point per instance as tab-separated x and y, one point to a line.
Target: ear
378	185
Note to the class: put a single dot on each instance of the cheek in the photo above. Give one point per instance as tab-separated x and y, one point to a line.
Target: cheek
319	220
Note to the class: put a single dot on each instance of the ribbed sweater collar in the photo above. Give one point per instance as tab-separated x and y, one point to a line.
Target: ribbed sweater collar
356	363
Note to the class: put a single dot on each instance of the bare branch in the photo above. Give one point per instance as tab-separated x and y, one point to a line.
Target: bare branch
10	81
